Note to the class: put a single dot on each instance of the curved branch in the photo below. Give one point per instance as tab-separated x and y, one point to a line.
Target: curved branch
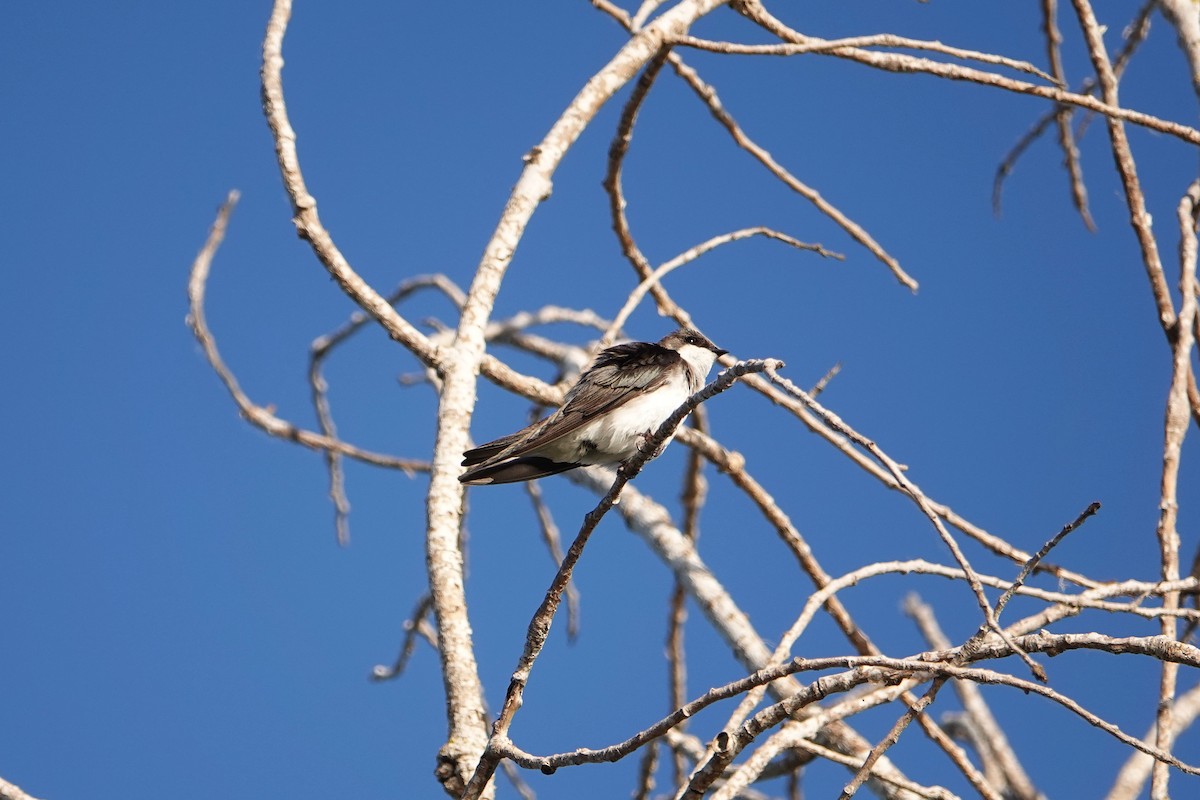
304	205
691	254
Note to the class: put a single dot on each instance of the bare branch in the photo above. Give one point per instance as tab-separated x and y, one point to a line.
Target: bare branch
10	791
465	707
1139	218
813	45
646	769
304	205
553	543
1175	429
514	777
820	385
897	62
1032	563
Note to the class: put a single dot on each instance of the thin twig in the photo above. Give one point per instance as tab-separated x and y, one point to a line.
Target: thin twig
514	777
323	345
320	349
617	150
1032	563
1062	115
646	769
691	254
930	792
414	626
891	738
820	385
553	543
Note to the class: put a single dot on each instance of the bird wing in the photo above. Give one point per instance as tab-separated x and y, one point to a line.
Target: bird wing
620	373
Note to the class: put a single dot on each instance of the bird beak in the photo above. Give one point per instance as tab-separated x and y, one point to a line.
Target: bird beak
720	352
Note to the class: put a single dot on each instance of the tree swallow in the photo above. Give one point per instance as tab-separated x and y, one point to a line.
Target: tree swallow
616	405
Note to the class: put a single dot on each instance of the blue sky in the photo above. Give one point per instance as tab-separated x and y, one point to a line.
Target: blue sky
176	610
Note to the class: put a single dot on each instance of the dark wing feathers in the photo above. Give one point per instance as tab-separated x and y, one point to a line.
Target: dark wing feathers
620	373
514	470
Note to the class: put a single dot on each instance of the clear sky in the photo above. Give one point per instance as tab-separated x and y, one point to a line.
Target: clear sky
178	620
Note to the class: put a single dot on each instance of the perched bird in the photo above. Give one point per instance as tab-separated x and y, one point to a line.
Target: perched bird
616	405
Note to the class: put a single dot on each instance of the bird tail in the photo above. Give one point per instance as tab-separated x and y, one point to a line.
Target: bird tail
527	468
